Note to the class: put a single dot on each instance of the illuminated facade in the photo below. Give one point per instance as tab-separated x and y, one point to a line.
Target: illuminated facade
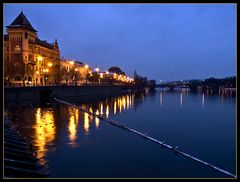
73	72
27	59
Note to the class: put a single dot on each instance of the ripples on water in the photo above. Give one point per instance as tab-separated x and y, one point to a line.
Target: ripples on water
63	133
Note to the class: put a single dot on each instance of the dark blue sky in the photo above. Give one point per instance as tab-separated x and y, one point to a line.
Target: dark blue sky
160	41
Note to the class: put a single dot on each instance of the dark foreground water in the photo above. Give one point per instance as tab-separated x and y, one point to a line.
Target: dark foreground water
76	144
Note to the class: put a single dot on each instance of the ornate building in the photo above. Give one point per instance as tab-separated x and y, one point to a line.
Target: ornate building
27	59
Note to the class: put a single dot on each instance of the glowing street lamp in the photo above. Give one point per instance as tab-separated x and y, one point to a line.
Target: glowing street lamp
76	69
107	72
86	66
50	64
39	58
71	62
97	69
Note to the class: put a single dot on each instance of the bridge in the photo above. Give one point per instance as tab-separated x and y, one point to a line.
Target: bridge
172	86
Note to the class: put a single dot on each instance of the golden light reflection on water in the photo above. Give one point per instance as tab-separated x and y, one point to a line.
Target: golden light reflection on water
73	125
107	111
44	131
101	108
115	107
120	104
91	111
97	120
86	122
111	106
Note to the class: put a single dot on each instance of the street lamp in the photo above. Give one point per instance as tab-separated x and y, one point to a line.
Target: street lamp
86	66
97	69
39	58
71	62
50	64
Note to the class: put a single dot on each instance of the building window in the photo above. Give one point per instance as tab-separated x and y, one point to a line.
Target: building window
17	48
17	78
17	57
26	35
30	57
17	66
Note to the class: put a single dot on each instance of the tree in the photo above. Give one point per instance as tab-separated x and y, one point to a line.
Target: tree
64	75
117	70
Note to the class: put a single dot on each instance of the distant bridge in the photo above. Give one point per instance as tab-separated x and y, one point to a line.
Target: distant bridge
171	86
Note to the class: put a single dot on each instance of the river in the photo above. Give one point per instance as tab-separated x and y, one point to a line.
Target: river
74	144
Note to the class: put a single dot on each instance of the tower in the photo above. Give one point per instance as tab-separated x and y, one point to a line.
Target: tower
21	40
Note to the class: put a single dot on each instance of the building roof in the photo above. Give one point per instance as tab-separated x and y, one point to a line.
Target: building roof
44	43
20	22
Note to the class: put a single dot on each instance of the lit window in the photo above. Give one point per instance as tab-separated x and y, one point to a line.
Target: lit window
17	48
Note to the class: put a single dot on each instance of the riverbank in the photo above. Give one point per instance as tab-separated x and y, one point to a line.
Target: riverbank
82	93
19	155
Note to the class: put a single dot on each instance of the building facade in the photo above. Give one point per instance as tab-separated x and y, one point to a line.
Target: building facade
27	59
73	72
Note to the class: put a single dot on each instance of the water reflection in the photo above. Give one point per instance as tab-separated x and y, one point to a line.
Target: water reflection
106	108
203	100
86	122
45	125
115	107
161	98
97	120
45	131
73	125
181	100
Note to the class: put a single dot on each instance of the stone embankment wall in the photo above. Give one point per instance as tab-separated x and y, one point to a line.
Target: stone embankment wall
80	92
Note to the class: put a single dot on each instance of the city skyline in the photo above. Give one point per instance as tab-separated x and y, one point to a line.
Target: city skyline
151	39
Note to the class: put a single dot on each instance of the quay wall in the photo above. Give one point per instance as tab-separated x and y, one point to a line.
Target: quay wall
81	92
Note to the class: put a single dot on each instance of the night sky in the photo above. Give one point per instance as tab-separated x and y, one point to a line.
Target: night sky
160	41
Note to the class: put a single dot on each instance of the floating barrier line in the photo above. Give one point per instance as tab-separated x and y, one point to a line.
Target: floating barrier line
120	125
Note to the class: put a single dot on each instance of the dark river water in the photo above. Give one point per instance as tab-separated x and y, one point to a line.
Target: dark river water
74	144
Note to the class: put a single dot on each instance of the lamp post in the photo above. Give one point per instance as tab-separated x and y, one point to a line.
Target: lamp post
45	72
39	58
76	76
97	70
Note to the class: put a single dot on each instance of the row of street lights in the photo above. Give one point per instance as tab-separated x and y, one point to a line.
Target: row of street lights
120	77
117	77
